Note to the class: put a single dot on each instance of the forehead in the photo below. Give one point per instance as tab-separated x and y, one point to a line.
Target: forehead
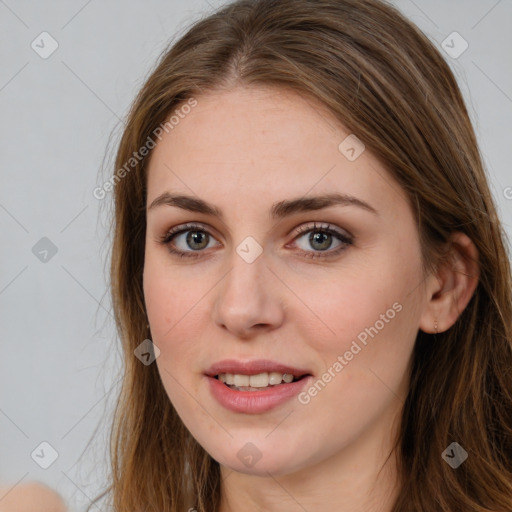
257	143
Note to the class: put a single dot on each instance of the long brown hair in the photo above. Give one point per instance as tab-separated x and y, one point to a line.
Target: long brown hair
386	82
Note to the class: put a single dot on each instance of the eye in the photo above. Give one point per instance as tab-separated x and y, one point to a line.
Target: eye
187	241
321	238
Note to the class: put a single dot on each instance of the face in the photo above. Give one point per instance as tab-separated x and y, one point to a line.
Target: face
252	282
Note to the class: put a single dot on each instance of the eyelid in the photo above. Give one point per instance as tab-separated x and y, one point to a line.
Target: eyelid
188	226
322	226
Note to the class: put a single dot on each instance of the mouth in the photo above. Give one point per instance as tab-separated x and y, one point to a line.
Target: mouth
256	375
257	382
255	387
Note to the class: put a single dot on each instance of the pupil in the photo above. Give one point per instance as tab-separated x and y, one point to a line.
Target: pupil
196	237
324	239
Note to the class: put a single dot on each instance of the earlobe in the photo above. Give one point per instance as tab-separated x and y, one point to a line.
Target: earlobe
452	286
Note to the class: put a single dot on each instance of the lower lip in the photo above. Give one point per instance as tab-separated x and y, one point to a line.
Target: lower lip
255	402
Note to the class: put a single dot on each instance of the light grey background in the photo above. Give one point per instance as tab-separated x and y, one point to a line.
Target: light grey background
60	356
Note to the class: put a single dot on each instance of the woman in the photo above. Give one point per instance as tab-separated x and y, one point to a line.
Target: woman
304	230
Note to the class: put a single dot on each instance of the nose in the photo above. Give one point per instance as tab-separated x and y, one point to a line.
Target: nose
248	299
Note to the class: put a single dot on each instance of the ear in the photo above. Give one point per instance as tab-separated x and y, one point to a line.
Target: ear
451	287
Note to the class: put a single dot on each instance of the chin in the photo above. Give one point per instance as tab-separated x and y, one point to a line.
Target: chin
251	461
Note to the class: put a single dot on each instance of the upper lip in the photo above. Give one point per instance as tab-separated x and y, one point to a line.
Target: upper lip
253	368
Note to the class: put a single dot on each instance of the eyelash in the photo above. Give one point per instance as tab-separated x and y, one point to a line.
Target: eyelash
346	240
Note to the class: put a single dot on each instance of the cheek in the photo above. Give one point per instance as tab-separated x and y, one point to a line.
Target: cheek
368	317
364	365
348	306
172	307
172	298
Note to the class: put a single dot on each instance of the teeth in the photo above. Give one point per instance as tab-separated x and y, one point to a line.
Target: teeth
241	380
261	380
258	381
275	378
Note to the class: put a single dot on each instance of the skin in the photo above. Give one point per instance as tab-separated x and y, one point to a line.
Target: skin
30	497
244	150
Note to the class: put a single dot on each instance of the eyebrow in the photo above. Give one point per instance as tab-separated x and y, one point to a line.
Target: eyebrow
278	210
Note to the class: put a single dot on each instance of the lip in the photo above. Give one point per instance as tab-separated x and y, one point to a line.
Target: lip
254	402
253	368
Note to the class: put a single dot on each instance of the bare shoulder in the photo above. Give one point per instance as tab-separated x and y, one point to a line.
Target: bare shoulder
30	497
